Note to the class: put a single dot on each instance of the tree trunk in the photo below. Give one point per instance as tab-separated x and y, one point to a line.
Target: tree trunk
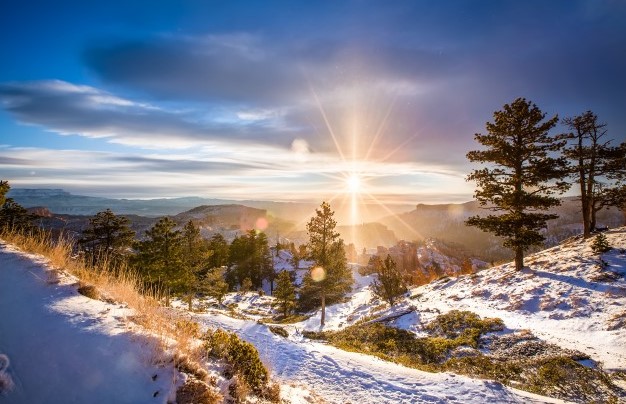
519	259
190	301
323	320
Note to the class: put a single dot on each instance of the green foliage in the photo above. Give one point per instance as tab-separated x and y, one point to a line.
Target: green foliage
390	284
246	286
327	250
159	257
463	325
600	244
563	377
195	253
250	257
4	188
107	238
285	294
219	246
592	157
521	178
214	284
241	355
12	215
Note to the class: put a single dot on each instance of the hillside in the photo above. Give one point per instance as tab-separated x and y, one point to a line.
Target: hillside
563	303
563	296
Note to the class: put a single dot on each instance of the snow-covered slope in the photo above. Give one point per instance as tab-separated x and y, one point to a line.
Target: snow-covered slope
563	296
66	348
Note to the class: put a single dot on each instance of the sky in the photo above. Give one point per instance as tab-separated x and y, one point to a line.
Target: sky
289	100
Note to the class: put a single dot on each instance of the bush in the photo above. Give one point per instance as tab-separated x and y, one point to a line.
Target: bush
89	290
197	392
242	356
280	331
465	325
600	244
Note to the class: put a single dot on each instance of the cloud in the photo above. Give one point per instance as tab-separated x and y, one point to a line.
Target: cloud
67	109
225	172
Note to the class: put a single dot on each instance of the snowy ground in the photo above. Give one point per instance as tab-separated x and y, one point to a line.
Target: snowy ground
344	377
66	348
561	297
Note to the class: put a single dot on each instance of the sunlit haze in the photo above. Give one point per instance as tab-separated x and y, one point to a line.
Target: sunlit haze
356	102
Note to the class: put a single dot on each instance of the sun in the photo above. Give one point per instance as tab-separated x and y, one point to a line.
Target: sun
353	183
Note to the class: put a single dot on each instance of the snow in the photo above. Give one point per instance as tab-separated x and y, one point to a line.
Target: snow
555	296
65	347
341	377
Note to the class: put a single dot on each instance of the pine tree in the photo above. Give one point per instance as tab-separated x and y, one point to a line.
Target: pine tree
285	293
219	246
159	258
4	188
107	237
600	244
15	217
522	177
246	285
194	260
214	284
330	278
390	284
595	166
295	257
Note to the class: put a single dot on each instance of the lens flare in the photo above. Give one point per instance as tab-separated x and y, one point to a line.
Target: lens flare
318	274
261	224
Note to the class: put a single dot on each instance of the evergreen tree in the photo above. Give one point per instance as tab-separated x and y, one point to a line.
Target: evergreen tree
295	257
330	278
600	244
4	188
219	246
214	284
250	257
285	293
194	261
595	164
159	257
522	177
107	237
246	285
390	284
15	217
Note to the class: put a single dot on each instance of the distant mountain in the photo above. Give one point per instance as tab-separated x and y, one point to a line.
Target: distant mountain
447	222
62	202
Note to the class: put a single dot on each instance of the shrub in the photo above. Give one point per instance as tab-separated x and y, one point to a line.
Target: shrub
280	331
465	325
563	377
242	357
600	244
186	365
89	290
245	360
197	392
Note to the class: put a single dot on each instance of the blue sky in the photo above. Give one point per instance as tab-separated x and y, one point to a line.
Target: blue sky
287	100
